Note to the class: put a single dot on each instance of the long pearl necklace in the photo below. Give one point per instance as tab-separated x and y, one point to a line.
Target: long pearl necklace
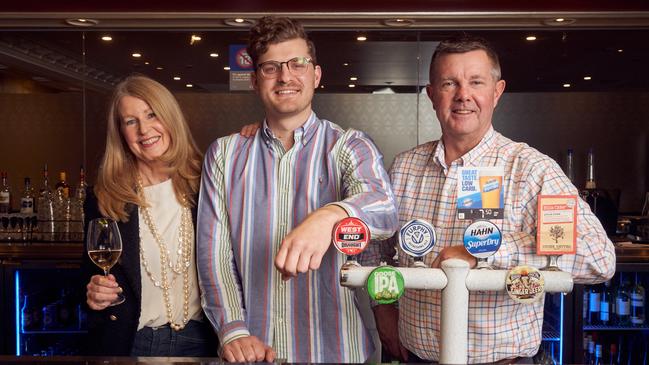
183	263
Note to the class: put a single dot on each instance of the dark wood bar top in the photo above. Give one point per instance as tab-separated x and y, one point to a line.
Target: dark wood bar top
92	360
70	252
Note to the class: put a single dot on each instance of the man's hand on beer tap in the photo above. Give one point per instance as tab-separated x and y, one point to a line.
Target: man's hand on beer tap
454	252
302	248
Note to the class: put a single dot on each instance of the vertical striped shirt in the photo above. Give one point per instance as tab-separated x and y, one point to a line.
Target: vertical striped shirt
253	192
426	188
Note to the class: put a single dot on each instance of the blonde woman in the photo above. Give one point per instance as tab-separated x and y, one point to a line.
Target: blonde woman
148	182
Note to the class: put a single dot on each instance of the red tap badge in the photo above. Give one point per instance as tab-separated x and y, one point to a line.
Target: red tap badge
351	236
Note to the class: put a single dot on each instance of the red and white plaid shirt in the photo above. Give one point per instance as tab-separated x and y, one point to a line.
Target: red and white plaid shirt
426	188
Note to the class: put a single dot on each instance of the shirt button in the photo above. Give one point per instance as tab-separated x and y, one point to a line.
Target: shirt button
113	317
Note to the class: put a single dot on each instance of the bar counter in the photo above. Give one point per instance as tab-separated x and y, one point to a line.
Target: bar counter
96	360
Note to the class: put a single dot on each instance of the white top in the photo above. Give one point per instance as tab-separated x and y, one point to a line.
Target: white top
166	214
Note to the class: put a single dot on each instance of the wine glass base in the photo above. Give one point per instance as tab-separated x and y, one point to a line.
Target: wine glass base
120	299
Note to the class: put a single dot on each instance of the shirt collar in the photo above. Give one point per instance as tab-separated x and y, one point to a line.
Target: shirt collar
470	158
302	134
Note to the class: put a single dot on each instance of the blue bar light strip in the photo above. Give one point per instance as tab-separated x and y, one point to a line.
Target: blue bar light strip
17	305
561	329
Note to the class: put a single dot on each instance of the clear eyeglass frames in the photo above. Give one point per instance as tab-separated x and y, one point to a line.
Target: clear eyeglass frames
296	66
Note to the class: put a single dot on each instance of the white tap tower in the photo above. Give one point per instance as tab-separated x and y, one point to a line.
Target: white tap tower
455	279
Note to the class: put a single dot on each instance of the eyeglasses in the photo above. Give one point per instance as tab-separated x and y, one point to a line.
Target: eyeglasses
296	66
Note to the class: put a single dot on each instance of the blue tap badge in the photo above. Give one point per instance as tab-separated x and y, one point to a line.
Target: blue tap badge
482	239
417	237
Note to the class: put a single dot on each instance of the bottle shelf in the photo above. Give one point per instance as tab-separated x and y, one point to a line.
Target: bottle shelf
615	328
551	336
54	332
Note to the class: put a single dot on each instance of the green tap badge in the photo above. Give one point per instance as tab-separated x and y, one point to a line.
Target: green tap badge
385	284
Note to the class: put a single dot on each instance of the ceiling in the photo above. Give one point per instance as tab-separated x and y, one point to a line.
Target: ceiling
37	43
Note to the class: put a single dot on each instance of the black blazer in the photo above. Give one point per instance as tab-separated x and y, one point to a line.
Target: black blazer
111	331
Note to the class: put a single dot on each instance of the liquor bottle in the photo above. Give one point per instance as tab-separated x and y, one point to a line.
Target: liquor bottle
570	167
45	210
591	351
594	306
590	172
587	340
613	355
637	303
584	314
27	199
80	191
62	210
5	195
605	304
623	303
63	185
26	322
598	355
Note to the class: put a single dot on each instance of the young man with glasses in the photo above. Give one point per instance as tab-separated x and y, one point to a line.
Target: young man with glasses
267	208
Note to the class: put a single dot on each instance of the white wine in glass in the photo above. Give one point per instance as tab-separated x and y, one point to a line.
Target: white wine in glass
104	246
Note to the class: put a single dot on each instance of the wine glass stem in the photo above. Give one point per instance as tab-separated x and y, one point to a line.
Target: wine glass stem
106	272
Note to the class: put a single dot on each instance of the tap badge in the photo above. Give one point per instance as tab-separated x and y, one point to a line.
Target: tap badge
385	284
417	237
351	236
482	239
524	284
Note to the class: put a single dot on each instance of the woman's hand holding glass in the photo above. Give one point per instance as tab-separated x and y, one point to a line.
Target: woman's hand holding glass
104	246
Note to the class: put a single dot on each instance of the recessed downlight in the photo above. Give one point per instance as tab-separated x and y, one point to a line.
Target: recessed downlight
189	85
587	78
361	38
530	38
227	68
176	78
214	55
82	22
566	85
136	54
106	38
239	22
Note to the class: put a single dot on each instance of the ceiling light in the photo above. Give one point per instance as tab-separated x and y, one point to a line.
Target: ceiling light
238	22
194	39
159	68
361	38
106	38
214	55
587	78
345	64
146	63
227	68
353	78
136	55
558	21
322	86
82	22
620	50
530	38
351	85
398	22
566	85
176	78
189	85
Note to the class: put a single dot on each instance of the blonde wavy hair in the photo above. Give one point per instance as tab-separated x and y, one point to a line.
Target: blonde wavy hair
118	174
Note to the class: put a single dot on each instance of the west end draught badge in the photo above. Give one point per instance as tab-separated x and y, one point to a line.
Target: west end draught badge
417	238
351	236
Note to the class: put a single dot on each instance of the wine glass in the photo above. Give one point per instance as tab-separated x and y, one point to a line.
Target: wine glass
104	246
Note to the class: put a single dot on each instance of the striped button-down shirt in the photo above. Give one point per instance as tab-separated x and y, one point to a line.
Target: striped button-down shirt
253	192
426	188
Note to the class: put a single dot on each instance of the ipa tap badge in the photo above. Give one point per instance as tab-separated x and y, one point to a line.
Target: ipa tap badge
524	284
351	236
417	238
482	239
385	284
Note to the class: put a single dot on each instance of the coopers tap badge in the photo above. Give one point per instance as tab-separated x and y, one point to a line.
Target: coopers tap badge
417	237
524	284
482	239
351	236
